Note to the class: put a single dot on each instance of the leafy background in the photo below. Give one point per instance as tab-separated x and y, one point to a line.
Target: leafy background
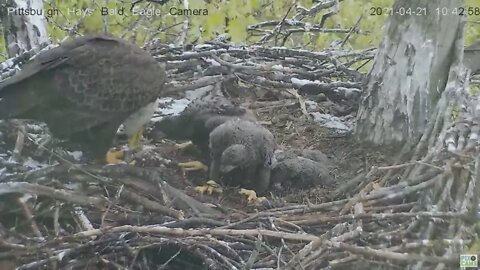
225	16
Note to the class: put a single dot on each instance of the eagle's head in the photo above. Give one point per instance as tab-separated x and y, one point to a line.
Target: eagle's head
235	156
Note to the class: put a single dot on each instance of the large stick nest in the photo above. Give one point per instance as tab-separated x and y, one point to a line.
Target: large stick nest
56	213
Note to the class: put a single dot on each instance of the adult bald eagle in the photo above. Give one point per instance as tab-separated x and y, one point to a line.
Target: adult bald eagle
84	89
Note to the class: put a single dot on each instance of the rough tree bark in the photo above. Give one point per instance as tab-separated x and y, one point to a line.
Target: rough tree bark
23	32
409	73
416	94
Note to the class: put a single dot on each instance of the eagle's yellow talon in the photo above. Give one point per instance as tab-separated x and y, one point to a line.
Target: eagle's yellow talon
184	145
193	166
114	157
209	187
251	196
134	141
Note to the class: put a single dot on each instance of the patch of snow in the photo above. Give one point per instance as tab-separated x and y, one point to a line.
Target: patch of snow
62	254
35	127
302	82
212	62
203	46
77	155
311	105
10	161
171	107
340	124
7	64
156	118
199	92
349	92
308	27
33	164
35	137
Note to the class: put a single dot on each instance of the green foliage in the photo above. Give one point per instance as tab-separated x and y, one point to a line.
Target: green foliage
225	16
475	246
455	113
472	32
474	90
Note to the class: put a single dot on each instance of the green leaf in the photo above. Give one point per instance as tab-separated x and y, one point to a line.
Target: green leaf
237	28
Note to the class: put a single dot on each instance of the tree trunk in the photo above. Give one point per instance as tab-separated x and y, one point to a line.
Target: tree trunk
23	32
409	73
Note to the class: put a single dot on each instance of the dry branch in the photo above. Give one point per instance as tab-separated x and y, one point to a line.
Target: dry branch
121	215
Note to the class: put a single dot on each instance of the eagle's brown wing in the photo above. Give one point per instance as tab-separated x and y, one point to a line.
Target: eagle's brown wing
84	88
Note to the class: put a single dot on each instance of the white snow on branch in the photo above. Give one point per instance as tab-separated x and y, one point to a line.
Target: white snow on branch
171	106
340	124
301	82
